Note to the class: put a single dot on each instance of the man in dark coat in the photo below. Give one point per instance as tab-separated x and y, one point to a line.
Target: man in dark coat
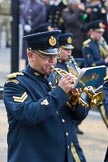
94	55
104	107
66	62
94	51
40	123
72	17
54	14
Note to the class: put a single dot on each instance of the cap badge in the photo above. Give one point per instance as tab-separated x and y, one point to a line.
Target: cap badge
52	41
69	40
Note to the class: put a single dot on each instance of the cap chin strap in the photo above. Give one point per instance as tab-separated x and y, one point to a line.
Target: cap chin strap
49	53
67	47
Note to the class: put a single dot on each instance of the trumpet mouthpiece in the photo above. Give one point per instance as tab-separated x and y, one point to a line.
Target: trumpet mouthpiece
52	66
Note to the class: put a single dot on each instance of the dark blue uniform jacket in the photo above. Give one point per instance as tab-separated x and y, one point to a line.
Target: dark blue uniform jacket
40	126
91	54
78	153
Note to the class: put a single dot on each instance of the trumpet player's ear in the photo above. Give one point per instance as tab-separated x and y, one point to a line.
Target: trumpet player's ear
30	56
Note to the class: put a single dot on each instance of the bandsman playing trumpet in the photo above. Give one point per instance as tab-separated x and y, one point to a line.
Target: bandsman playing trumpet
66	39
67	63
40	123
95	52
103	108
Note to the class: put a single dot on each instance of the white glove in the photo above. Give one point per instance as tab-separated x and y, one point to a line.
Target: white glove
27	28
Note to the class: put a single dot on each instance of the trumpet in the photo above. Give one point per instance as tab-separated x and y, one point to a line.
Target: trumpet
95	98
74	94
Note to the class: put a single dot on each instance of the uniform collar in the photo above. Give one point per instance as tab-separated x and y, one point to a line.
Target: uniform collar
32	71
61	61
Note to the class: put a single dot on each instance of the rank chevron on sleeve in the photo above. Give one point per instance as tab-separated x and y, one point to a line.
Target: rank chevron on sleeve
20	99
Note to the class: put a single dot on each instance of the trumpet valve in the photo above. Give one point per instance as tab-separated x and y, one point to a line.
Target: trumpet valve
83	103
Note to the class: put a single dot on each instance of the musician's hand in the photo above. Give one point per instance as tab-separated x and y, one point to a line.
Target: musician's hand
106	60
67	82
75	92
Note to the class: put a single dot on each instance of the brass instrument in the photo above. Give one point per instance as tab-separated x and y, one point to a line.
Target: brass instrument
77	69
95	98
74	95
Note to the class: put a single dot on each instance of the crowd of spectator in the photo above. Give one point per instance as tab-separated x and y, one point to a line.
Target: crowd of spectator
66	15
5	23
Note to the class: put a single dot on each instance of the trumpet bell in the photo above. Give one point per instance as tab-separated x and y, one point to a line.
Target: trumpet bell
96	99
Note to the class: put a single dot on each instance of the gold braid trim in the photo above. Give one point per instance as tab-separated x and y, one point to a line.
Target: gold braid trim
103	52
72	71
74	153
14	75
106	78
20	99
12	80
102	110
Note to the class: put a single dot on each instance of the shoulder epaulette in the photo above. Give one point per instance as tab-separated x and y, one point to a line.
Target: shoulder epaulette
12	80
14	75
85	43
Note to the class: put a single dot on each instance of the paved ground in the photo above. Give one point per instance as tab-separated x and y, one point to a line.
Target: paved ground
3	133
95	138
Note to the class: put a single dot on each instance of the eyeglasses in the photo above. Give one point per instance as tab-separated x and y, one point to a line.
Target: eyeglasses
44	56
